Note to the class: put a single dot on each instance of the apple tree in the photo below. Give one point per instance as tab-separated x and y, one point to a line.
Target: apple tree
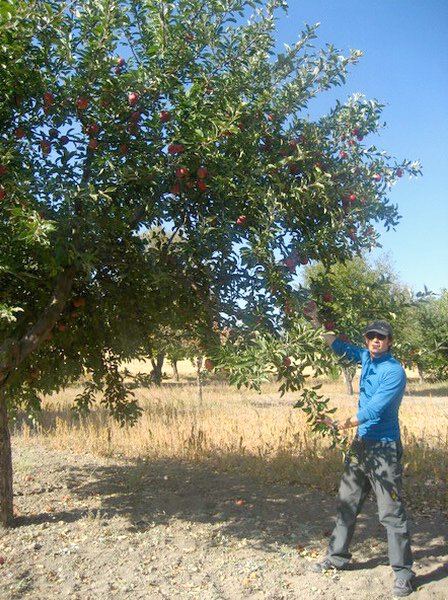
425	335
177	119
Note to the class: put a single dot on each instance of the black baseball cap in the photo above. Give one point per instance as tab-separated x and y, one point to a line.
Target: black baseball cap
382	327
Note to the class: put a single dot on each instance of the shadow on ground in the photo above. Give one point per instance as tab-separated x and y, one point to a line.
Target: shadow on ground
147	494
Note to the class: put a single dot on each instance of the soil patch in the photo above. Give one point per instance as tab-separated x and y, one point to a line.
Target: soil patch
92	528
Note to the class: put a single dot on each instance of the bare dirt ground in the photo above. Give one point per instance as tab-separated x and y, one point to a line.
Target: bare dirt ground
92	528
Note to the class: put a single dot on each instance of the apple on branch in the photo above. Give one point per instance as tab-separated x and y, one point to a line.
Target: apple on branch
182	172
164	116
209	364
48	98
201	185
133	98
82	103
202	172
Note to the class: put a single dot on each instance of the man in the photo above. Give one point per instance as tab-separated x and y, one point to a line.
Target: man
374	460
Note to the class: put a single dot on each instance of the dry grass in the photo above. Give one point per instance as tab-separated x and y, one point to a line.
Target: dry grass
258	434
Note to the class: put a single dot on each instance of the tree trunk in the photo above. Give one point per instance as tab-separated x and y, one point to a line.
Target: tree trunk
199	378
156	373
421	375
175	371
6	497
348	376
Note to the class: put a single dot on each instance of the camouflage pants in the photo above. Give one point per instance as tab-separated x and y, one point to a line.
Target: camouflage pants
376	466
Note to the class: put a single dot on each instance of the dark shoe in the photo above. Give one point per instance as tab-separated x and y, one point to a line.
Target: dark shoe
321	567
402	587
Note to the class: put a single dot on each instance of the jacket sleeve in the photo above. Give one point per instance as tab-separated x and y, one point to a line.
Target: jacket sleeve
352	353
390	390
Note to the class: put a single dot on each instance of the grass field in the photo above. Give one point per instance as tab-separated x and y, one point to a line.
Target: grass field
258	434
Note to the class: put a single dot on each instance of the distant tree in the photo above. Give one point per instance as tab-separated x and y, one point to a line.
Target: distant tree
425	336
352	293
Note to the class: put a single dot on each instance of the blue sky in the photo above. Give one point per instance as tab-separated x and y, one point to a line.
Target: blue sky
405	66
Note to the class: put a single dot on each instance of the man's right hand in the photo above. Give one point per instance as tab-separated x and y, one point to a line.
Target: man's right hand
310	309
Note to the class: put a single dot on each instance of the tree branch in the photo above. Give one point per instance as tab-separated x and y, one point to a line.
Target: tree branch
14	352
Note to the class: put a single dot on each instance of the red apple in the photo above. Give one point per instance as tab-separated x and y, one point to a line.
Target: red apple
18	100
120	61
209	364
53	133
202	186
241	220
117	70
64	140
82	103
62	327
20	133
133	98
45	147
352	198
360	138
327	297
92	129
377	177
202	172
330	325
176	148
123	148
399	172
80	301
270	117
294	169
356	131
182	172
286	361
290	263
164	116
48	98
3	170
304	260
93	144
175	189
343	154
363	200
135	116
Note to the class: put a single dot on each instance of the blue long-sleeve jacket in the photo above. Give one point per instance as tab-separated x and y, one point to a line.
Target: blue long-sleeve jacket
381	389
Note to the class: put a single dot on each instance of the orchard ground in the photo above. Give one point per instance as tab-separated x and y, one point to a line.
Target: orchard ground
226	498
